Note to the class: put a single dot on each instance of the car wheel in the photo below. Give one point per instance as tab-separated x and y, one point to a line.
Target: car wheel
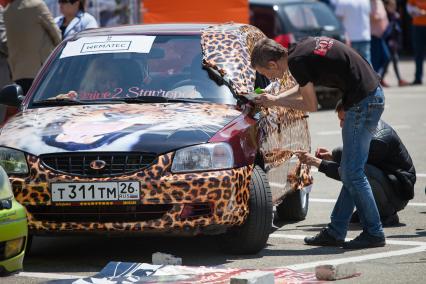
294	206
252	236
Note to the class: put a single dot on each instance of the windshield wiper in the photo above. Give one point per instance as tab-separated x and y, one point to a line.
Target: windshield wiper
58	101
158	99
69	101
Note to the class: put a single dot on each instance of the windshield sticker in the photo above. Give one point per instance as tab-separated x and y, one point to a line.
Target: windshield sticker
108	44
132	92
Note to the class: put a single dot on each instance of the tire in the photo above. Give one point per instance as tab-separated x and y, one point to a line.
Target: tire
252	236
294	206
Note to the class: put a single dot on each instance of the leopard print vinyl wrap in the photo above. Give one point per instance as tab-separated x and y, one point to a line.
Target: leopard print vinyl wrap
283	131
227	49
228	190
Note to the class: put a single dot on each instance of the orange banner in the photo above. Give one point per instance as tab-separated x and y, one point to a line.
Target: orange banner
194	11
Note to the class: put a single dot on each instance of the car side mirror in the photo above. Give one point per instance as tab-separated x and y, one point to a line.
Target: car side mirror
12	95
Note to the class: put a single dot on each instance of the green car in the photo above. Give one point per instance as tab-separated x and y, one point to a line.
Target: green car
13	228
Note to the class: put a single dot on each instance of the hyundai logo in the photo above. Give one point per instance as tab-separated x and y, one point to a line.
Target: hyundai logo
97	164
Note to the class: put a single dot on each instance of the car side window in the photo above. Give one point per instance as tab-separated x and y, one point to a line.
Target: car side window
266	19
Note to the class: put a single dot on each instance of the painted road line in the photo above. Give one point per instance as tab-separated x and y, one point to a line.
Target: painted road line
333	132
337	132
325	200
418	247
401	126
417	175
315	170
357	258
48	275
388	240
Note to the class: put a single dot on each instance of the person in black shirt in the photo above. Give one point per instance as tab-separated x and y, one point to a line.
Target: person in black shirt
330	63
389	169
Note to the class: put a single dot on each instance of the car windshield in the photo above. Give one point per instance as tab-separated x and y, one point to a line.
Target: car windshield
310	16
130	69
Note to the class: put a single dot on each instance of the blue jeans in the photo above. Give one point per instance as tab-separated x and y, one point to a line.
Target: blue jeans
359	126
419	45
380	55
363	48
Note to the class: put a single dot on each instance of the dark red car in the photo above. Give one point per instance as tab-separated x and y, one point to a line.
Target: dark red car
148	129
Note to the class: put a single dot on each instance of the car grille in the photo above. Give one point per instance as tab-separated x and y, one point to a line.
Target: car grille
79	163
101	213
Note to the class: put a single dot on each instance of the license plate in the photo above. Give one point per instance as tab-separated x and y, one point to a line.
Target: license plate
95	191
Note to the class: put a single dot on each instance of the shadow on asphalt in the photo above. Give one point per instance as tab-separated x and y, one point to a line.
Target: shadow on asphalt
310	250
419	233
72	254
90	254
308	228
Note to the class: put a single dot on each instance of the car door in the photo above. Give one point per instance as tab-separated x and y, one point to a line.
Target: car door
282	131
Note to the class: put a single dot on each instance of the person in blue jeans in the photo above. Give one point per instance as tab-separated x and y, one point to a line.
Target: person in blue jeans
328	62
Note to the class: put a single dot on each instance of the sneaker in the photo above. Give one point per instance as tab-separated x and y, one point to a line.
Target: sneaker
390	221
365	240
323	238
384	84
403	83
416	82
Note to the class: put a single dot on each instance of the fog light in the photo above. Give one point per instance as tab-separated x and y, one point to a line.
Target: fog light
13	247
197	209
187	211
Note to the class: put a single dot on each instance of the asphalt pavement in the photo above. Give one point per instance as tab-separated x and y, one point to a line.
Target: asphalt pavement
403	260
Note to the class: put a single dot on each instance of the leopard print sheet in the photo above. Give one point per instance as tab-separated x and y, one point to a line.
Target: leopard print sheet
228	190
227	49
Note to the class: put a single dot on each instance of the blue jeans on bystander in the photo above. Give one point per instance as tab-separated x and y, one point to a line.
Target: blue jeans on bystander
360	122
363	48
419	45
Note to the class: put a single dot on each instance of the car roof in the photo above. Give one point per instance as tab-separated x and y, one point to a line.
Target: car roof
279	2
157	29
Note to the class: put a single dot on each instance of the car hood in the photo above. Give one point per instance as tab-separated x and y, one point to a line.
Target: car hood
154	128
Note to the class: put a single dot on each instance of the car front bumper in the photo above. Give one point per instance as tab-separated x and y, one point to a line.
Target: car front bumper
13	225
223	196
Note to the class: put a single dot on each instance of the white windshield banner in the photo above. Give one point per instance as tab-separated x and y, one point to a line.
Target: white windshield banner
108	44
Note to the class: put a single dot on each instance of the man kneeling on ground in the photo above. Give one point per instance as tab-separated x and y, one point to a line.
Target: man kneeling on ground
389	168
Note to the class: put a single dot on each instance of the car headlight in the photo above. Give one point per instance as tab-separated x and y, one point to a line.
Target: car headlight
13	161
5	188
212	156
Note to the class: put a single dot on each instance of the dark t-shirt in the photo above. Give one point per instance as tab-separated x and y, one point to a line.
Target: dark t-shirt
330	63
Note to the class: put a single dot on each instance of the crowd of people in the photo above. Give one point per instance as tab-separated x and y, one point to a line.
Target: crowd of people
29	34
29	27
377	33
